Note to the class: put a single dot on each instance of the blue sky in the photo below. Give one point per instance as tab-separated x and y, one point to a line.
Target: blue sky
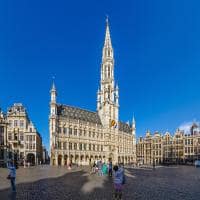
157	57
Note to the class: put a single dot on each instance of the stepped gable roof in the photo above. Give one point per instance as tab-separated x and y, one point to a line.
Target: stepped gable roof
124	127
78	113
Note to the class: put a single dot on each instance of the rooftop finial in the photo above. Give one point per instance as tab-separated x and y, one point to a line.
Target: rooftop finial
53	85
106	19
133	120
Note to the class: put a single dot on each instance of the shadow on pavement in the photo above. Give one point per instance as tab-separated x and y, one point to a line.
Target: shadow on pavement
75	185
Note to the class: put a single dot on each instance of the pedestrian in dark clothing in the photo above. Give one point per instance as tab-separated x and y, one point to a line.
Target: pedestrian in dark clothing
110	169
12	175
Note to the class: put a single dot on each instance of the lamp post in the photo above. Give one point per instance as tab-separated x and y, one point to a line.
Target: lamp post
24	151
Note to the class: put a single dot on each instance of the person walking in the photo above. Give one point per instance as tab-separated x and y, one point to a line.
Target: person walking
110	169
104	169
12	174
93	168
118	181
100	165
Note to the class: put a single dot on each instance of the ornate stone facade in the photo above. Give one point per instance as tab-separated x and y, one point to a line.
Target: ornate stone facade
81	136
180	148
3	142
22	136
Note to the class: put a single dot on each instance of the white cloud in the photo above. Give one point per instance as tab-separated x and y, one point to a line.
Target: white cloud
186	126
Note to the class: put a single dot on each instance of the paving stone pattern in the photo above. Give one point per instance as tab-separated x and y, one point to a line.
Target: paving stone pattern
164	183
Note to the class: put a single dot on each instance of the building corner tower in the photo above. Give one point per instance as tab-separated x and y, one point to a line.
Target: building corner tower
52	120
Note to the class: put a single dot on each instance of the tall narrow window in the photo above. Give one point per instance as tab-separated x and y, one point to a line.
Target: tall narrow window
75	131
108	71
105	71
70	131
64	145
109	93
84	132
10	123
21	123
15	123
80	132
70	146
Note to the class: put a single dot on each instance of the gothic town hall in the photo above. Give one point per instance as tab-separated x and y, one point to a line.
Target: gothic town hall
81	136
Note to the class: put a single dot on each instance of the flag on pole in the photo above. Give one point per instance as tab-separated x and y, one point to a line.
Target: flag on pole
113	124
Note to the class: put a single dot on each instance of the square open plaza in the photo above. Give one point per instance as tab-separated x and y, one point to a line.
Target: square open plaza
52	149
81	139
51	182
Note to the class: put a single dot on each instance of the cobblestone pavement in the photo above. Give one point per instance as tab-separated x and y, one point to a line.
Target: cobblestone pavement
166	183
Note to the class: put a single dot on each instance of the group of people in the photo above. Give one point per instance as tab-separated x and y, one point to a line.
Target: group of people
117	171
101	168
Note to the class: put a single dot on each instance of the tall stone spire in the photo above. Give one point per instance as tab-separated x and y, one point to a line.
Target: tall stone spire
107	105
107	49
133	124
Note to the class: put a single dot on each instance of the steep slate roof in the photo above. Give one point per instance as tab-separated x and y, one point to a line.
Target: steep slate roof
124	127
86	115
78	113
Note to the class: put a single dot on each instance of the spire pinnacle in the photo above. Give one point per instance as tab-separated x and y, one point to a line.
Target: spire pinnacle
133	120
107	42
106	19
117	87
53	84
